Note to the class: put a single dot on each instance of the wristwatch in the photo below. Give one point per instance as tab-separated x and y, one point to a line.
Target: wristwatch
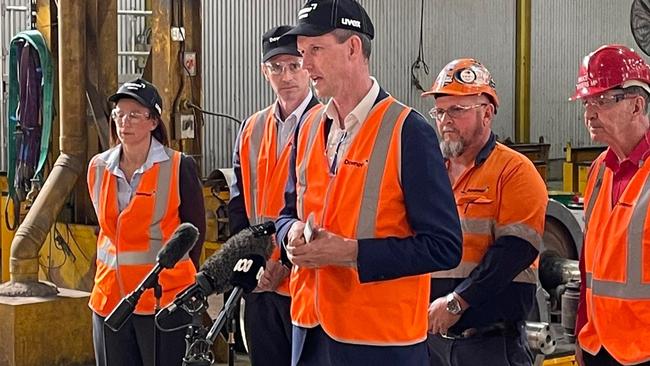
453	305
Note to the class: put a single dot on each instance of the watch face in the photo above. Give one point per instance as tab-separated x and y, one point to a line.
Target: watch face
453	306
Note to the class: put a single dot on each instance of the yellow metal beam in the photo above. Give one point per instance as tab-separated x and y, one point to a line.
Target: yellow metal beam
522	77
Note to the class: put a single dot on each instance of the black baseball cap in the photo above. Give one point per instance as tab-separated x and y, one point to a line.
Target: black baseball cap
274	44
318	17
142	91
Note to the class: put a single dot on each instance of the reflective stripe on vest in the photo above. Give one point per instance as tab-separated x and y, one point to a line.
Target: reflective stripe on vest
370	199
163	182
363	200
302	168
589	207
617	271
633	288
254	150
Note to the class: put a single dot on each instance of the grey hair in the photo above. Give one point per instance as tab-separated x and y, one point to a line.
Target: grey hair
639	91
343	35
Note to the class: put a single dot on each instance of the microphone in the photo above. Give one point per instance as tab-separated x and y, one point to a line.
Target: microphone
215	273
256	239
182	240
245	276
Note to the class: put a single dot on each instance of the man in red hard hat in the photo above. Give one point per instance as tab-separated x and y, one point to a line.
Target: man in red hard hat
613	323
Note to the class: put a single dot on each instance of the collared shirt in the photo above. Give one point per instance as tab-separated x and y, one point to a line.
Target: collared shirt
339	139
625	169
288	126
125	189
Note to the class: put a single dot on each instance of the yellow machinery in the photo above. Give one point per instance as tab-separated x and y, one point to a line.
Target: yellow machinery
575	168
50	256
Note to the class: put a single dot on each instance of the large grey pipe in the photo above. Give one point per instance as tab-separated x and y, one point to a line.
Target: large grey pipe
31	234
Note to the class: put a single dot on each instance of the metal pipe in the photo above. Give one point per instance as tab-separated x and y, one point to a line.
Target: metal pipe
522	73
142	13
71	161
133	53
132	42
16	8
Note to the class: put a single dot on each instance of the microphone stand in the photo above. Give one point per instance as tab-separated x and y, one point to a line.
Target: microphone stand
224	314
157	293
231	340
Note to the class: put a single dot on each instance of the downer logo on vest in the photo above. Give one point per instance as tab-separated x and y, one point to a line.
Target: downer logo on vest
351	22
355	164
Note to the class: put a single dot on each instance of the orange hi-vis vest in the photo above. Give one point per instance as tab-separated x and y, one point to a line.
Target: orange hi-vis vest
363	200
129	241
264	175
617	266
503	196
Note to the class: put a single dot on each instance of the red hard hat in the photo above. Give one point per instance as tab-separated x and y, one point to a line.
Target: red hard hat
608	67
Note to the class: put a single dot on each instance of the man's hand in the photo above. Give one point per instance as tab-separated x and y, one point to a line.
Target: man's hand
440	320
274	273
295	239
325	249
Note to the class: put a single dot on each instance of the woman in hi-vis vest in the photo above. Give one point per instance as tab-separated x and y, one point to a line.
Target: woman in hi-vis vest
141	191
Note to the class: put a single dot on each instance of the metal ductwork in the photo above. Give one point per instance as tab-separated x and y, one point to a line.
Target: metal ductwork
70	164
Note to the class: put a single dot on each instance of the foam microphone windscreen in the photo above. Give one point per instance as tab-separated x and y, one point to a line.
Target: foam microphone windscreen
250	241
178	245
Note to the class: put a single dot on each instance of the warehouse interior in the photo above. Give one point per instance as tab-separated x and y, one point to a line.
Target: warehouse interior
204	57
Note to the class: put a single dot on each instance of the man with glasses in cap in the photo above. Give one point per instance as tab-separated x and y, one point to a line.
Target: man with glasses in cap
478	309
612	324
261	161
369	212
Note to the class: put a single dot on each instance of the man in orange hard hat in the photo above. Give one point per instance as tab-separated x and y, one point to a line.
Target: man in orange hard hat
613	322
477	310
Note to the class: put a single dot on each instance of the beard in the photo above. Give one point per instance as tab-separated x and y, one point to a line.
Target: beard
452	149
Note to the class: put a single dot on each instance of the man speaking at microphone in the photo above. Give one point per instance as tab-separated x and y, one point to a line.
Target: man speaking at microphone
368	170
141	191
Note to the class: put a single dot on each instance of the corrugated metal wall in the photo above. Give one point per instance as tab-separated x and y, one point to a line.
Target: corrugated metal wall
16	18
132	36
563	32
233	83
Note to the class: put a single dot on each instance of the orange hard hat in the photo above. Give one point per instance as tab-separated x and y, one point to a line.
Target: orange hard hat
464	76
608	67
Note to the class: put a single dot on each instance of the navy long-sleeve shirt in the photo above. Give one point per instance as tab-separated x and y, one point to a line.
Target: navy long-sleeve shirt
430	207
489	289
192	207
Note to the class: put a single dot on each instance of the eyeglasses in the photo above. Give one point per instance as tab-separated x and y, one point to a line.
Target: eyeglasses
277	68
455	111
604	100
120	117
